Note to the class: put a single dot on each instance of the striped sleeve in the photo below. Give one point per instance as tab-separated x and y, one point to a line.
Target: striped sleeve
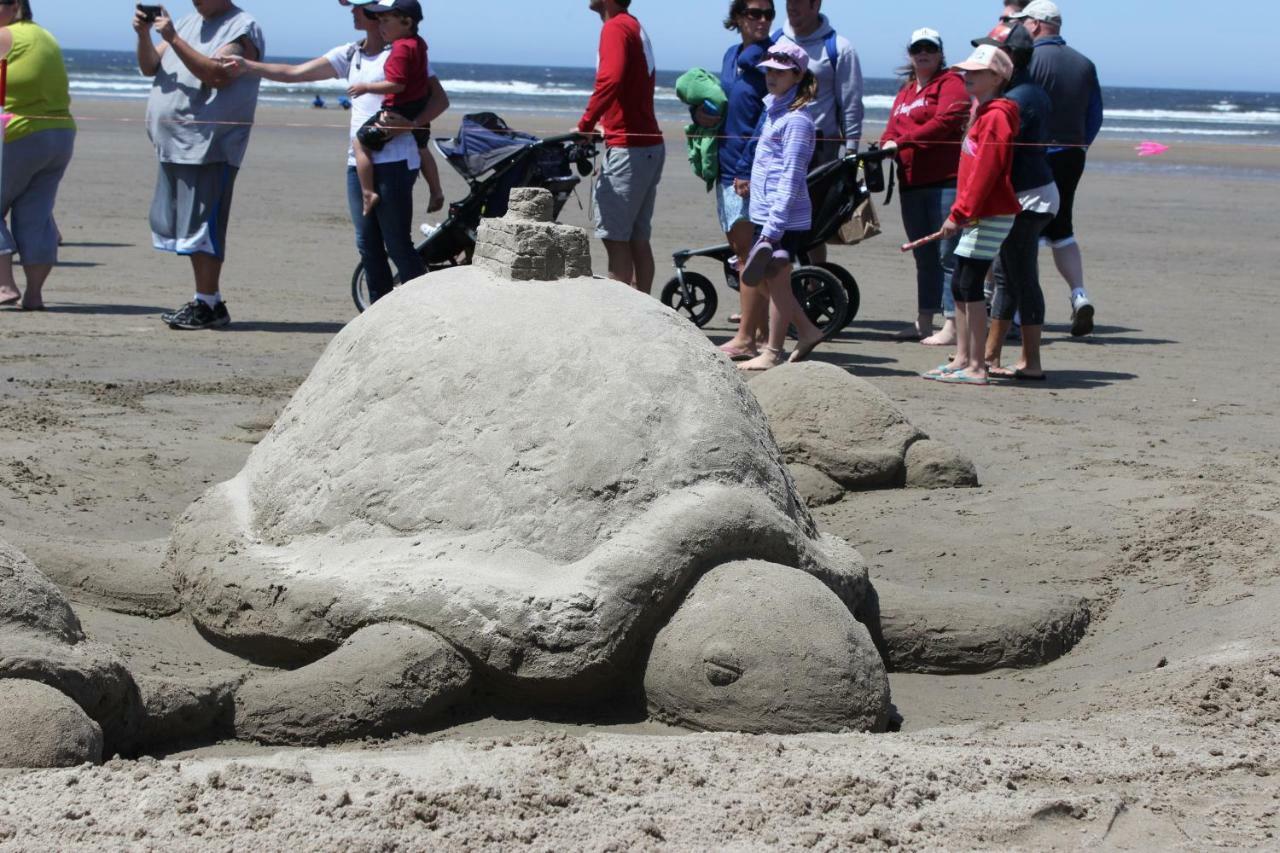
789	208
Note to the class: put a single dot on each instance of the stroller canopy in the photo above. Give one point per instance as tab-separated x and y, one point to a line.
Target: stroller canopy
484	140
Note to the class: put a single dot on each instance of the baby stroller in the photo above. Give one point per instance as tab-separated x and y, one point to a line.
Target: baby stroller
494	159
828	292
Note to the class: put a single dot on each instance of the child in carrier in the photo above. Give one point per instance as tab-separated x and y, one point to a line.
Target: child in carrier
780	206
984	209
405	87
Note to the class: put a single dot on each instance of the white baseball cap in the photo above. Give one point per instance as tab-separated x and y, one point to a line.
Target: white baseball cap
926	34
1041	10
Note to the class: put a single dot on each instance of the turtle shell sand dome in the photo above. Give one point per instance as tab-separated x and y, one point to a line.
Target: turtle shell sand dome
534	477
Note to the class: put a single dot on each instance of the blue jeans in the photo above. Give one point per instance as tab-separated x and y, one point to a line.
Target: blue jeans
388	231
923	212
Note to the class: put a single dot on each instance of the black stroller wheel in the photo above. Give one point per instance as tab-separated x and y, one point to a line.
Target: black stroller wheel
360	289
822	296
699	305
850	289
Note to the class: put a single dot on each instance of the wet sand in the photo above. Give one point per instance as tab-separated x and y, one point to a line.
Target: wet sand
1145	475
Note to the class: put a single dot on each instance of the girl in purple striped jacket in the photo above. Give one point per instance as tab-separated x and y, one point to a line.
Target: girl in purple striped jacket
780	206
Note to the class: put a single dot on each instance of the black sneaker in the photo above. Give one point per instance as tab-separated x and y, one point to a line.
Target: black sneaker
197	315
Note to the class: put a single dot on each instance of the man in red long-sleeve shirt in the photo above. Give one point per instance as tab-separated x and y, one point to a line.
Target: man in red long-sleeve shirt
622	105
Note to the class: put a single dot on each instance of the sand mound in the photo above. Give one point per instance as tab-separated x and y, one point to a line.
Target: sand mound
41	640
840	433
42	727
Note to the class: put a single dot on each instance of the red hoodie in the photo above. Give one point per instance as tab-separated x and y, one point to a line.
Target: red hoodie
986	160
625	79
928	125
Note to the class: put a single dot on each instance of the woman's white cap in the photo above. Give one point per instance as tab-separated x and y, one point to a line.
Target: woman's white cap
926	34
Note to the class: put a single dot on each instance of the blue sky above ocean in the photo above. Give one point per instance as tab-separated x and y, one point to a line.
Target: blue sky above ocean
1176	43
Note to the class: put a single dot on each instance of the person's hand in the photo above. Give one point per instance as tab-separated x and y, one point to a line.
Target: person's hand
355	90
233	66
950	228
395	121
586	137
164	26
702	118
140	22
888	146
742	187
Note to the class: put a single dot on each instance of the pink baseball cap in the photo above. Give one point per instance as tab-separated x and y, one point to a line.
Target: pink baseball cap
786	56
987	57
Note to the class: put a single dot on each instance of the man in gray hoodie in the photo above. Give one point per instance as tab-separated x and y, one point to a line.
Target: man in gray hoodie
837	111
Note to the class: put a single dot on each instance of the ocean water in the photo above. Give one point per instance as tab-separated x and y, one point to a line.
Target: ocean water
1167	115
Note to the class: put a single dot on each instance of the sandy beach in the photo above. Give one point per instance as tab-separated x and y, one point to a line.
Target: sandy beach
1144	476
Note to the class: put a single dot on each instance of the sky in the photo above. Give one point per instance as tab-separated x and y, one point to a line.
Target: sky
1174	43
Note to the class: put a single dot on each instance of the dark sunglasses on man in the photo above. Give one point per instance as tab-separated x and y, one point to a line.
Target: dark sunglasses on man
754	14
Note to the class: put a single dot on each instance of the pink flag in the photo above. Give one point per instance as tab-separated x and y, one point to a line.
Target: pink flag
1151	149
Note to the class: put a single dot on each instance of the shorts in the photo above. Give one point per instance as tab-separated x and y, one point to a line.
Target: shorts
731	207
1068	169
33	169
982	242
627	192
375	138
192	207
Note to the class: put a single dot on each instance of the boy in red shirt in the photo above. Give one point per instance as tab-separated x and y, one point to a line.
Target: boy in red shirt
406	87
622	105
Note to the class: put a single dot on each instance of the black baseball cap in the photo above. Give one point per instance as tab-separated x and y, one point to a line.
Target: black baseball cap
408	8
1013	38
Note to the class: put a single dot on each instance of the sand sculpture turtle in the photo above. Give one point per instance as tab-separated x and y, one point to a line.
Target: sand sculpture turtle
519	498
545	492
499	491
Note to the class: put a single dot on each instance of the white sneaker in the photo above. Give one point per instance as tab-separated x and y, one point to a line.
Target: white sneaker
1081	316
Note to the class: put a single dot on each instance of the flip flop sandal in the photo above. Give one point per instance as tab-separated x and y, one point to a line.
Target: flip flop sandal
941	370
759	259
738	353
958	378
5	303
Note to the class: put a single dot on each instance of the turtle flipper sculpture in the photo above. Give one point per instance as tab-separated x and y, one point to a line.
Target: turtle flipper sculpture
535	474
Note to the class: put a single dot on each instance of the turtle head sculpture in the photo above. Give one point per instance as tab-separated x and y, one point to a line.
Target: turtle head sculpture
546	491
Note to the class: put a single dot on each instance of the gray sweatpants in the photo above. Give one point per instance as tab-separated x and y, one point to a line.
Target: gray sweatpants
33	168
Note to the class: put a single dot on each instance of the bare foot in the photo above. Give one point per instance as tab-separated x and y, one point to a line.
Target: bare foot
944	338
768	359
9	297
435	203
371	200
803	348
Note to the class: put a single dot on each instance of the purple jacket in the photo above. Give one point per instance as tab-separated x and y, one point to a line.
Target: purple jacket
779	190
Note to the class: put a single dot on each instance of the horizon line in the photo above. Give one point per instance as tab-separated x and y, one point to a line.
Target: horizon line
1256	91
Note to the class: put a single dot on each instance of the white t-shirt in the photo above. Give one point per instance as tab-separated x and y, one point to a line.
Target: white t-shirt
352	64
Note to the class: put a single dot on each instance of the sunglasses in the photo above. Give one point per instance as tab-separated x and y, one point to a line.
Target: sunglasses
753	14
788	61
924	47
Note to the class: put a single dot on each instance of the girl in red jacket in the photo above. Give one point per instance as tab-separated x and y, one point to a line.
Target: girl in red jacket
984	210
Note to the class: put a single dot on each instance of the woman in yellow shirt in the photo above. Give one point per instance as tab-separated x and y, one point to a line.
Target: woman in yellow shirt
38	143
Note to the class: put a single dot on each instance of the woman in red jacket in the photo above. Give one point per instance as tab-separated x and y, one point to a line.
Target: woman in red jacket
926	125
984	210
